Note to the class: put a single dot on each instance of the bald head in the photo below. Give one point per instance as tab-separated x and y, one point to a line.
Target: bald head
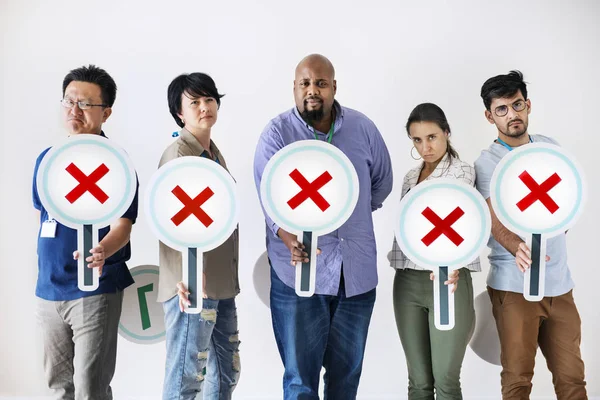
316	62
314	90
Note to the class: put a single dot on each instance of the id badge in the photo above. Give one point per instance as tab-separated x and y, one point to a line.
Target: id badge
48	228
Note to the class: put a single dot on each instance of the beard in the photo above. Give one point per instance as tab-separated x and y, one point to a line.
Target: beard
515	133
312	116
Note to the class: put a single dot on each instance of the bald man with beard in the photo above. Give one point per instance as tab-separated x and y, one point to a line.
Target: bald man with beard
328	329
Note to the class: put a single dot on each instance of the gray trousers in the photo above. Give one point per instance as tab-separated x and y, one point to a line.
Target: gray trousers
80	345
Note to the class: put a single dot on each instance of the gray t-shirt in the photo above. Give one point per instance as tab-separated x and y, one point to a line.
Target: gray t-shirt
504	273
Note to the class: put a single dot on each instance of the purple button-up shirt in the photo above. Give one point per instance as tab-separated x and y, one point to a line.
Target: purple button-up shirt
353	244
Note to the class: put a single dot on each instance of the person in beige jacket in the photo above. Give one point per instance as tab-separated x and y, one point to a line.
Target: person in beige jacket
202	349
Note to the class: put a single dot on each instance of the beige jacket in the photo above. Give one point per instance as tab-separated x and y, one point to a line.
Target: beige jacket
220	264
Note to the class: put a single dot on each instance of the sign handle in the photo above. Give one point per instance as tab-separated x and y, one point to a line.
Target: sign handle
88	279
192	278
443	300
306	273
535	276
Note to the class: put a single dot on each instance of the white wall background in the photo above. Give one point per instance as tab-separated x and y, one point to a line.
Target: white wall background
389	56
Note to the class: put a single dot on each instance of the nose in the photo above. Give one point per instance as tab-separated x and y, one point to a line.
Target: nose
75	110
511	114
313	89
204	106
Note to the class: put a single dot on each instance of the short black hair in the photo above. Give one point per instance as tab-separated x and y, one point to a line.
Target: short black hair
98	76
429	112
196	84
502	86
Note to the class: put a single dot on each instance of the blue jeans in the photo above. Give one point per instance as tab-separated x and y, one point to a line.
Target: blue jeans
320	331
202	351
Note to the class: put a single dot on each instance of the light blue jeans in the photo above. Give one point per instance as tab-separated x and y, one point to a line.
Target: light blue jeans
202	351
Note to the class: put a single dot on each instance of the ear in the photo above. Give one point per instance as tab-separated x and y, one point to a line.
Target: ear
488	116
528	102
334	86
106	113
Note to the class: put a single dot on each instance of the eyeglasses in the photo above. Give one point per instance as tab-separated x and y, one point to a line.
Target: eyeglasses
518	106
68	103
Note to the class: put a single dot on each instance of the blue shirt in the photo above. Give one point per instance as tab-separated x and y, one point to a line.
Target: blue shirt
504	273
57	270
354	242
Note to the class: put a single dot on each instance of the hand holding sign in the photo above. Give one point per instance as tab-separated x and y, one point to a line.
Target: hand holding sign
192	206
443	225
309	188
86	183
537	191
95	260
298	251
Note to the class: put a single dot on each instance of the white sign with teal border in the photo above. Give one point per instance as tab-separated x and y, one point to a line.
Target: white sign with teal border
192	206
309	188
442	225
538	191
86	183
142	317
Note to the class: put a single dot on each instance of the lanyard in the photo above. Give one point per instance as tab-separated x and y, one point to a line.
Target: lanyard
503	143
329	135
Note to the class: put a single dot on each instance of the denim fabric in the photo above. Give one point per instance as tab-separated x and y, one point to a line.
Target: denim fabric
202	351
320	331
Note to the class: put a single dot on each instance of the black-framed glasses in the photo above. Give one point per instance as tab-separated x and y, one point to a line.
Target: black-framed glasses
518	106
68	103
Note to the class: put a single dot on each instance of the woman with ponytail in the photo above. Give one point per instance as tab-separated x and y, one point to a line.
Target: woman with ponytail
434	357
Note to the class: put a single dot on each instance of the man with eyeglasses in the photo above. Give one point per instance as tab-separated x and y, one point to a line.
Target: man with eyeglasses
79	329
554	322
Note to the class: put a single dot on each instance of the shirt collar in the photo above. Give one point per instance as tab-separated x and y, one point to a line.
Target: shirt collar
100	134
339	115
443	165
191	141
445	162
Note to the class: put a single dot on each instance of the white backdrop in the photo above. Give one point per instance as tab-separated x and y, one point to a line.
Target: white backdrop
389	56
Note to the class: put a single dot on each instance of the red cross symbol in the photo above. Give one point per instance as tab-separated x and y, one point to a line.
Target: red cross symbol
192	206
442	226
309	190
87	183
538	192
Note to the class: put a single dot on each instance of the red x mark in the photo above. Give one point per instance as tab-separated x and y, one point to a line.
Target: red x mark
192	206
309	190
87	183
442	226
538	192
